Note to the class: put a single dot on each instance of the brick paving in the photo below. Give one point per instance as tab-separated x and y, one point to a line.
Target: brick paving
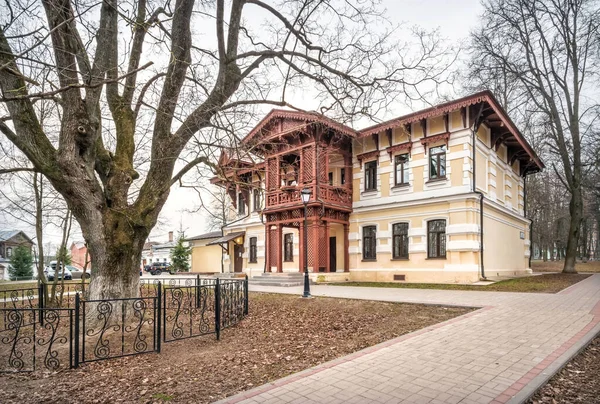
500	353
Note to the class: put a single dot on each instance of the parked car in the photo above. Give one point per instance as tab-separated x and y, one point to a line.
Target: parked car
156	268
51	269
77	273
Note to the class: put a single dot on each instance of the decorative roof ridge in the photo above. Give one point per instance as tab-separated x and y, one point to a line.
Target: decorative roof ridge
299	115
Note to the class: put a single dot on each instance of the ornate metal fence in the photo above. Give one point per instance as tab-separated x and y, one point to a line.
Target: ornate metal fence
189	311
25	342
117	327
93	330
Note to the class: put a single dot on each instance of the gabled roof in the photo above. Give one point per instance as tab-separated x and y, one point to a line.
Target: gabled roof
8	234
212	234
440	109
78	244
306	117
148	245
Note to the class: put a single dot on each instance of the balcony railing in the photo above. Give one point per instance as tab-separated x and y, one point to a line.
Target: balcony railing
327	193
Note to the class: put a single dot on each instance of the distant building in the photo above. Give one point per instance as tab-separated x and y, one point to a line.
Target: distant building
206	256
78	254
158	252
9	241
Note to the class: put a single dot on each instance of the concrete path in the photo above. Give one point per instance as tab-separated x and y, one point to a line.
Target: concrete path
500	353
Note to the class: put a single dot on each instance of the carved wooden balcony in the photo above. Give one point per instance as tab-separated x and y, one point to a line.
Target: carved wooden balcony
329	194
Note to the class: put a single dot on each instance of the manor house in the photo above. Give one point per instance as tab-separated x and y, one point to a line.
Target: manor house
437	195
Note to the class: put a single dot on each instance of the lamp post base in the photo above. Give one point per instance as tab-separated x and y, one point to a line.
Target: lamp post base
306	293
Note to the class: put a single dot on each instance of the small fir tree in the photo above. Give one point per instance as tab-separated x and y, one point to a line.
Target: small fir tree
21	264
179	256
63	256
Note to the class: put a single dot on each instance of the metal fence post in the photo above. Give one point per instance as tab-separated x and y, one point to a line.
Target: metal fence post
197	291
41	302
158	302
77	314
218	308
246	296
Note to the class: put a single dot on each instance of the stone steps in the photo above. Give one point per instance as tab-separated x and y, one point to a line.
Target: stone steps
285	279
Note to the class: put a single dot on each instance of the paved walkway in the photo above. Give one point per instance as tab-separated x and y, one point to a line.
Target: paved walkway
500	353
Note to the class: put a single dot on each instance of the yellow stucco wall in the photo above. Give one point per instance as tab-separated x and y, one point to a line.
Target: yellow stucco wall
206	258
505	252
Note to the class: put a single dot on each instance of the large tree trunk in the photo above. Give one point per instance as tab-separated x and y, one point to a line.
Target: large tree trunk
576	211
115	247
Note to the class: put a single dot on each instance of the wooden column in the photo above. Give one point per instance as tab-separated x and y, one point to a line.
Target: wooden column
267	247
327	252
279	236
301	246
346	247
315	240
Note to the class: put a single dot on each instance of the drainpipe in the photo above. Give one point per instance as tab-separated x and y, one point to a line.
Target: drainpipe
476	124
531	221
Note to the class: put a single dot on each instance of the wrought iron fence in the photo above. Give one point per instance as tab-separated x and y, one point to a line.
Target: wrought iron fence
24	341
94	330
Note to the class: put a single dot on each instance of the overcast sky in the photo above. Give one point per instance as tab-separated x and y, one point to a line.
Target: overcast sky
453	18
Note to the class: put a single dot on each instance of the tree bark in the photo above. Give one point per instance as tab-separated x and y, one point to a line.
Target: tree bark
576	211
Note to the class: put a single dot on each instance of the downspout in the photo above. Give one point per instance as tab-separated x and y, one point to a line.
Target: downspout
531	221
476	124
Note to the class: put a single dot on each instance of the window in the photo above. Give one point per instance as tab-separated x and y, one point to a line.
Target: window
8	252
436	239
437	163
256	201
330	178
164	260
252	257
371	176
288	242
241	204
343	176
400	241
369	243
401	169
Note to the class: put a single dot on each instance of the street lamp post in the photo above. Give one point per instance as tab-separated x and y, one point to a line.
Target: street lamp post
305	193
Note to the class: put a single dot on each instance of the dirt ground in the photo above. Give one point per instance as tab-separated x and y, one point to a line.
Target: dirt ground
578	382
557	266
281	335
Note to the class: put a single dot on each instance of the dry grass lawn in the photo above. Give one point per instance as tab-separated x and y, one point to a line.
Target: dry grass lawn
547	283
557	266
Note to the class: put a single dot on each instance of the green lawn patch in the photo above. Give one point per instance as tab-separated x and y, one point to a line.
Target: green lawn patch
549	283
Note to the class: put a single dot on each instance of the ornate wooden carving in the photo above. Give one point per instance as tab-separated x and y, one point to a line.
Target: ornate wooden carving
367	156
406	146
435	138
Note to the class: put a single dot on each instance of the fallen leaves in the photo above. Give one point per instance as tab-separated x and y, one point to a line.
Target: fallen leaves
578	382
281	335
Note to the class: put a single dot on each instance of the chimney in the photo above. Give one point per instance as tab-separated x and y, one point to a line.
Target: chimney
170	236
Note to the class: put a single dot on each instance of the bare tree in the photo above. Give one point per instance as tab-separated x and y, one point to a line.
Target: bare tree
542	57
162	86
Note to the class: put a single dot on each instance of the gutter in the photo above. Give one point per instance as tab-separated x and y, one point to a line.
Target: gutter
476	124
